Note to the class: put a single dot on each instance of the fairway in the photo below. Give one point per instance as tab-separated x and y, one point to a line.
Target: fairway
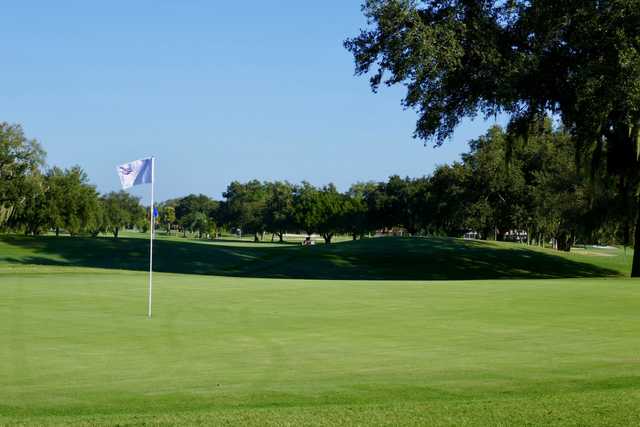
77	348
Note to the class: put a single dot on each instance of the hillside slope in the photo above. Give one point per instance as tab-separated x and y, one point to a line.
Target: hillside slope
369	259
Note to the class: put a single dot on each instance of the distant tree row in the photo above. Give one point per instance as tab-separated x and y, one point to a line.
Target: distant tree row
255	208
35	199
506	185
190	214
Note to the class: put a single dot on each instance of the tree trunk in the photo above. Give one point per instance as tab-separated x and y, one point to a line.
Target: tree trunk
256	238
484	233
57	231
635	266
115	232
281	237
355	236
563	242
327	237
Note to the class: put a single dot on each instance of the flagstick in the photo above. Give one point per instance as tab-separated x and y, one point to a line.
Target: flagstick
153	167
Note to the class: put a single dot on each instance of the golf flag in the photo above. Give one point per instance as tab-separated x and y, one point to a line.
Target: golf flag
136	172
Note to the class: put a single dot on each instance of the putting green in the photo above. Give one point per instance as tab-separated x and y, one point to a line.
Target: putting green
77	348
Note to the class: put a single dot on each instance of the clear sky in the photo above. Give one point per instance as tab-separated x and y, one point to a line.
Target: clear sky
217	91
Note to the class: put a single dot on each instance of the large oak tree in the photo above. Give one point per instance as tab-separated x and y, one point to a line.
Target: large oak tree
578	59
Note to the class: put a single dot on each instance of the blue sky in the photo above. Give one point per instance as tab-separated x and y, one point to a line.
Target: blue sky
217	91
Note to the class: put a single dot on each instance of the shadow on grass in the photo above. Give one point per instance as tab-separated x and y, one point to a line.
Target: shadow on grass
370	259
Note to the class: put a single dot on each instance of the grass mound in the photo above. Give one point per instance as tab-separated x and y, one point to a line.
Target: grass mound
369	259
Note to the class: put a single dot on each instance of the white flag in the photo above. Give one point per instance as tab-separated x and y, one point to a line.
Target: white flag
135	173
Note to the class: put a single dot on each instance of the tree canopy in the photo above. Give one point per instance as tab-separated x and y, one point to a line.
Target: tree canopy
579	60
122	210
20	162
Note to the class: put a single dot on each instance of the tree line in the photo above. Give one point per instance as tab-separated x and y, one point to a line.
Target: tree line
35	199
506	186
532	188
578	60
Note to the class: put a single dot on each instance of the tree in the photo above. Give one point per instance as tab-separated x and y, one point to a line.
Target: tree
20	162
97	223
122	210
496	190
559	194
479	217
71	202
194	203
55	207
305	201
196	221
244	207
187	208
167	215
398	205
448	198
457	58
406	202
319	210
278	210
31	214
356	216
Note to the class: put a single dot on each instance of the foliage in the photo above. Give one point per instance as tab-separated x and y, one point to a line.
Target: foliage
32	215
167	216
193	213
196	221
457	58
60	199
278	210
355	220
245	206
319	210
20	162
122	210
447	199
72	201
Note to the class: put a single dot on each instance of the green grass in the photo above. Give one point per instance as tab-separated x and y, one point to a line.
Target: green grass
369	259
76	347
